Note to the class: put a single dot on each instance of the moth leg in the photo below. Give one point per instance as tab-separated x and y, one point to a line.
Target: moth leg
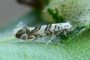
58	32
51	39
65	32
43	37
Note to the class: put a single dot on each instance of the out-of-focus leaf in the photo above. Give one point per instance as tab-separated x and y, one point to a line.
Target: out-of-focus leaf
76	49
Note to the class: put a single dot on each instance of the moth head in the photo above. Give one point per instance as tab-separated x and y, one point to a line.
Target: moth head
68	25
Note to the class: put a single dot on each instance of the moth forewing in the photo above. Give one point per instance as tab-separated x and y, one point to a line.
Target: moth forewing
25	32
41	31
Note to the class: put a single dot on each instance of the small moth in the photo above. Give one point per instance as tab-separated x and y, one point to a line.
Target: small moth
24	32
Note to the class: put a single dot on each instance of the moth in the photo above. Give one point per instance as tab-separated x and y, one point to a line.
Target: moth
24	32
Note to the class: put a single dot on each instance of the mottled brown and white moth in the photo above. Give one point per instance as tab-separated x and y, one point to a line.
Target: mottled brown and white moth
24	32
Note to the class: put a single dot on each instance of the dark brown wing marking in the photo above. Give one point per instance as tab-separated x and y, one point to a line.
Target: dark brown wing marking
47	29
34	32
36	29
28	33
55	27
19	33
58	28
56	32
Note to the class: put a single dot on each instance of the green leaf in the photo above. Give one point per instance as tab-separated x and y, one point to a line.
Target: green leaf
76	49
